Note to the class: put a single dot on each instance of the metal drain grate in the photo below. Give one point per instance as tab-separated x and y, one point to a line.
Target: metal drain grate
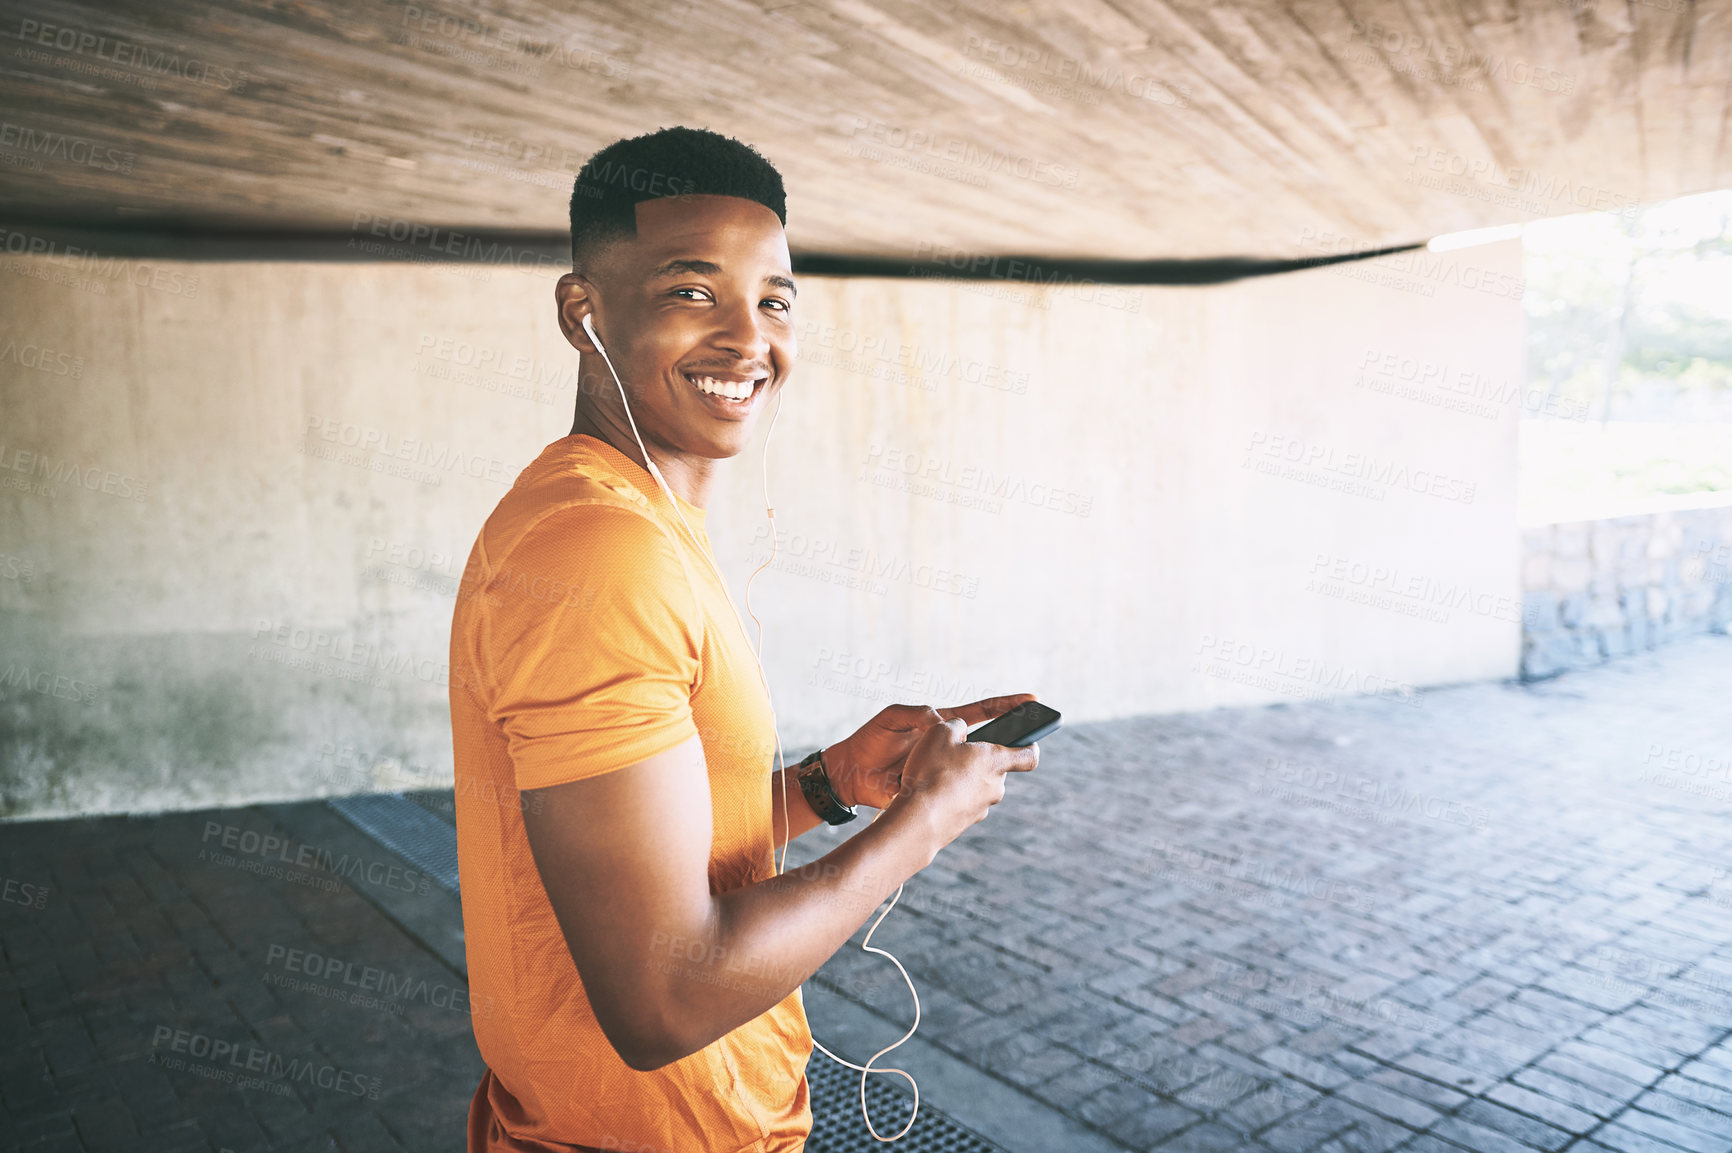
408	830
837	1126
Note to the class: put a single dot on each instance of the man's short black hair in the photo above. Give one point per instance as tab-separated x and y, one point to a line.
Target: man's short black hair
670	162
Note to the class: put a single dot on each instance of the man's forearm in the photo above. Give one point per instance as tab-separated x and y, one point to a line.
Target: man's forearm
799	814
763	940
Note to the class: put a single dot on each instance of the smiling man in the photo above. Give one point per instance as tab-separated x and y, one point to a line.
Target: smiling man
618	806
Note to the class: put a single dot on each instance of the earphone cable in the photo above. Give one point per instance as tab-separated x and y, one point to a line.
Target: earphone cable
782	775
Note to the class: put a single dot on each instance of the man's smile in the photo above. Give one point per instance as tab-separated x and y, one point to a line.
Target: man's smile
735	391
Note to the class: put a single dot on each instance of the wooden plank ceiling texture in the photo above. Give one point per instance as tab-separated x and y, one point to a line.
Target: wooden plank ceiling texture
1116	129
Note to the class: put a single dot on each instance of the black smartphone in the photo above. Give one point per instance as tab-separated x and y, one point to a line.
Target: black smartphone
1020	727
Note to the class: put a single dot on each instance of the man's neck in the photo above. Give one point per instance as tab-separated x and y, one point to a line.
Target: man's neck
691	478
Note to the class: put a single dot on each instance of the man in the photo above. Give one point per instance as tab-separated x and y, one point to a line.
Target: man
623	915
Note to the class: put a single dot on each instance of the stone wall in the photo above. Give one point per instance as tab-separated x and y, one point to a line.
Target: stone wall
1597	589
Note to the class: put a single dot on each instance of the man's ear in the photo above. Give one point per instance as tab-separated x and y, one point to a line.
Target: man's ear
574	297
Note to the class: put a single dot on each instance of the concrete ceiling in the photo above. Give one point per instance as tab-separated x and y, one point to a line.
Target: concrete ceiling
1111	129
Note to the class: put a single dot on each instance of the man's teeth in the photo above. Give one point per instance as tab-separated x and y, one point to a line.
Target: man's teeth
725	388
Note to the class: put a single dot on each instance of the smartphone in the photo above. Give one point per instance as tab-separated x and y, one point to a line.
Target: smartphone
1020	727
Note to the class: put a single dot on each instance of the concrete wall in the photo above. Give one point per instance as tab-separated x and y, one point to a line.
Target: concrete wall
236	499
1597	589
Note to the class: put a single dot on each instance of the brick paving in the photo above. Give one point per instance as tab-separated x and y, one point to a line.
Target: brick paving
160	998
1497	919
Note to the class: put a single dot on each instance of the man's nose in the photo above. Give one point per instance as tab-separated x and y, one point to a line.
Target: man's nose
742	332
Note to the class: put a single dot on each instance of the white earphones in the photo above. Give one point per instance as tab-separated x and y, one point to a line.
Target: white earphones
589	327
758	656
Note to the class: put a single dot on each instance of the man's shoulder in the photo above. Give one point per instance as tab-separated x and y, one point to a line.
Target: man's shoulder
569	489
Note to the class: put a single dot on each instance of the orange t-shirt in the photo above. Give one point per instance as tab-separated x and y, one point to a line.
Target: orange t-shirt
579	646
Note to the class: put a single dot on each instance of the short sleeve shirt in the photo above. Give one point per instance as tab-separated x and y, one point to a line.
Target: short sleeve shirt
591	633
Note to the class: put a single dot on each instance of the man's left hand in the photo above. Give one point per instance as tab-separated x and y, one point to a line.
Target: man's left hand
866	768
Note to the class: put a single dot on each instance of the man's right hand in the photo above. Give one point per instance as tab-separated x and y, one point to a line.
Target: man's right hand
952	782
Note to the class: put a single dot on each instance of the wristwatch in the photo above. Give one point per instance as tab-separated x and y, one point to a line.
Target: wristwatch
820	793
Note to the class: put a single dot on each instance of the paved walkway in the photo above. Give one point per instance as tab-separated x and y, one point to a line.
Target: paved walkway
190	983
1500	919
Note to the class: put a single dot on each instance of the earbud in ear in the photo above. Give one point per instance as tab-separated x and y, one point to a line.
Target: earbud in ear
589	327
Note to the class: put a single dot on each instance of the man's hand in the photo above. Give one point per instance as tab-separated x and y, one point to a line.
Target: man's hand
866	768
668	964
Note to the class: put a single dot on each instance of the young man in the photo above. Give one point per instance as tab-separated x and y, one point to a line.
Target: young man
617	809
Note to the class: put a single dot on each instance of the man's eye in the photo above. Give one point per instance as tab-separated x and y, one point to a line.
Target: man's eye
677	291
780	304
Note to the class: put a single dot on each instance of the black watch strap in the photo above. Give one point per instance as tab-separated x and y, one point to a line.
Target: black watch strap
820	794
